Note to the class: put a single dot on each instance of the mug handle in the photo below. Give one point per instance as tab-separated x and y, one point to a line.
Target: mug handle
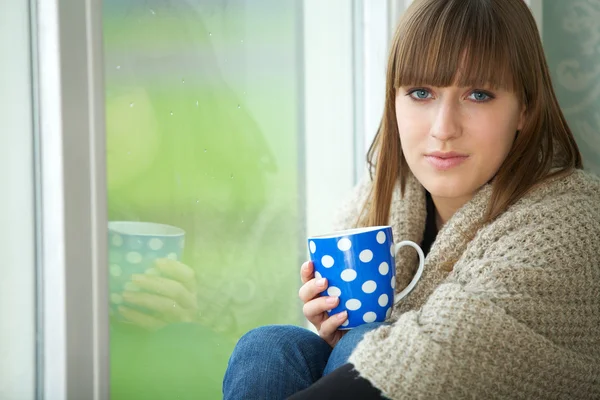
417	276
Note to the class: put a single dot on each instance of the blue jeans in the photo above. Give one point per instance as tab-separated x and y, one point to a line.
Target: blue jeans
273	362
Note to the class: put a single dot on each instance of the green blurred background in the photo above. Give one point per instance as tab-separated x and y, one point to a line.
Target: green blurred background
203	104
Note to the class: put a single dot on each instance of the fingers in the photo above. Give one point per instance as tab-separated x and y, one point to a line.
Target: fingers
165	287
311	289
314	309
307	271
331	324
140	319
163	307
178	271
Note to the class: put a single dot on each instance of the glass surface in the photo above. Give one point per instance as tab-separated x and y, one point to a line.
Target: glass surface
202	122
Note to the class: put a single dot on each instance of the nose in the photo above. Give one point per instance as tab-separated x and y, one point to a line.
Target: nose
446	125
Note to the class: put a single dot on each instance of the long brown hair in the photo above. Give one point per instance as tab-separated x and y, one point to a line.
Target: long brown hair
492	42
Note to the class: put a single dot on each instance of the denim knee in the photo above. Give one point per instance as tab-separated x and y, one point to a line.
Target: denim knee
273	338
275	361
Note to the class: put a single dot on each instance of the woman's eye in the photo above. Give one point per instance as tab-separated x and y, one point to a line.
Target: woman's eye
480	96
420	94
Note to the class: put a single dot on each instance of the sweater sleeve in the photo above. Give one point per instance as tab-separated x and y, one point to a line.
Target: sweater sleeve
517	318
514	325
462	345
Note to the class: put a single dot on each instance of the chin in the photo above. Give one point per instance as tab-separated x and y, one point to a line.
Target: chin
446	186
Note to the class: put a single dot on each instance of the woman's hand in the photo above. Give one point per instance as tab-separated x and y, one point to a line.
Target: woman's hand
316	307
168	297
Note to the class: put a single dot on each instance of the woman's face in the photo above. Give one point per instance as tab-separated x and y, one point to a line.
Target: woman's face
456	138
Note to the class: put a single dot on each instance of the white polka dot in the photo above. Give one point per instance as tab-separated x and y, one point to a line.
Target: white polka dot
131	287
155	244
344	244
392	252
388	313
346	322
393	282
117	240
116	298
115	270
318	275
134	257
152	271
369	317
313	247
369	286
348	275
172	256
334	291
353	304
384	268
381	237
366	256
327	261
383	300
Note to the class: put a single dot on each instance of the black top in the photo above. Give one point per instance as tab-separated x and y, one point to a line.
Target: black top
345	382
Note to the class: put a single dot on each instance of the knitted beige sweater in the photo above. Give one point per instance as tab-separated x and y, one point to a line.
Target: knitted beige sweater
519	315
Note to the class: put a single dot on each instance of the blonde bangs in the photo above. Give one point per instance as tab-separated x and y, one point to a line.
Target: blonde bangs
448	43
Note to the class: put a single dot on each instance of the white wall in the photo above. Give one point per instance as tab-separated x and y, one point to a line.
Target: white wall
17	248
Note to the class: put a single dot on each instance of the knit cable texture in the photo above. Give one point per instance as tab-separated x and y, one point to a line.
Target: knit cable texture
519	314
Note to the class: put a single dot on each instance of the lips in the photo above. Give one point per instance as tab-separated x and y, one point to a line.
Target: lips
445	160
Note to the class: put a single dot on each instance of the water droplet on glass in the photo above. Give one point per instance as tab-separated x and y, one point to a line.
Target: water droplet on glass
242	221
171	112
182	80
131	104
196	103
239	106
209	33
231	176
128	153
205	150
118	67
152	11
197	201
242	40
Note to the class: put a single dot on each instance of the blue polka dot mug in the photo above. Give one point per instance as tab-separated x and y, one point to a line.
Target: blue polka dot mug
133	248
359	265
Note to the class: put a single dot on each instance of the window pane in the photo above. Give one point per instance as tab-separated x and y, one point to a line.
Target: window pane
204	189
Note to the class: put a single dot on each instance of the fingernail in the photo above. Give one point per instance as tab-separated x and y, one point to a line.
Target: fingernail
321	282
342	315
331	300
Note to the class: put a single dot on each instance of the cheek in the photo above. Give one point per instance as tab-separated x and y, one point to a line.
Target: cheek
413	133
493	148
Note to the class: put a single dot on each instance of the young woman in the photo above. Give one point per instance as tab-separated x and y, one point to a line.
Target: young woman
475	160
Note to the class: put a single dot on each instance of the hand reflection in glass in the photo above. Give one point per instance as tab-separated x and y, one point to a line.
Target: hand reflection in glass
168	297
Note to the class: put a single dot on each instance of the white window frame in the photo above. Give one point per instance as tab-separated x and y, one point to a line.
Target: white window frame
74	290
